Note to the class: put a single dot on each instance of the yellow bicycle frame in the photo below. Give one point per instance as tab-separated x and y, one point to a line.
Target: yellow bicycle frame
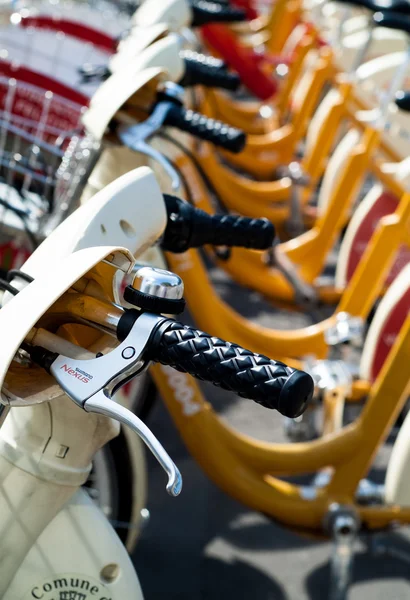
249	470
307	252
277	146
364	288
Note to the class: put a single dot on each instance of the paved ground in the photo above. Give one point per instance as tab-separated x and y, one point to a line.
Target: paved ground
205	546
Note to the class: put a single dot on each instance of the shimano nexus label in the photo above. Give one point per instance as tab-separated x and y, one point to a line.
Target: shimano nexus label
69	587
77	373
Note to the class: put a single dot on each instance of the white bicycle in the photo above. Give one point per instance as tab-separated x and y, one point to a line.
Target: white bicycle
58	394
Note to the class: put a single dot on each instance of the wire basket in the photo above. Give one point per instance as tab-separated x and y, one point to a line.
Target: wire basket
45	159
111	17
50	38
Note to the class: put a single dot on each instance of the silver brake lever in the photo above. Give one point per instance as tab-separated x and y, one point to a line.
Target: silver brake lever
135	138
92	383
100	403
305	294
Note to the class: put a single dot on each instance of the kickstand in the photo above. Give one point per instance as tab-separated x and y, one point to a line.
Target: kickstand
343	526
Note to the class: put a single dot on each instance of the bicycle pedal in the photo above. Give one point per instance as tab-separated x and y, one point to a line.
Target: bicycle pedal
346	329
330	374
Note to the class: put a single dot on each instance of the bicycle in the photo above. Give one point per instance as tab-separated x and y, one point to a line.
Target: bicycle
83	278
379	516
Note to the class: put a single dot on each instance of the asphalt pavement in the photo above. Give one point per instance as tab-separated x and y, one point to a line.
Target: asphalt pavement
204	545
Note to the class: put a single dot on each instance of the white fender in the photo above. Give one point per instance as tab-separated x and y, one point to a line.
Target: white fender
175	13
397	489
357	22
112	95
381	68
319	118
367	216
384	41
138	40
46	449
386	323
72	554
375	76
335	168
163	54
333	13
113	162
23	311
129	212
357	219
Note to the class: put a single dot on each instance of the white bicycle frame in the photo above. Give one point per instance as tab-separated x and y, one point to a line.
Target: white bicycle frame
54	538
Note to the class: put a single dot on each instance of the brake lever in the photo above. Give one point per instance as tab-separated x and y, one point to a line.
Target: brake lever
305	294
99	403
92	383
135	138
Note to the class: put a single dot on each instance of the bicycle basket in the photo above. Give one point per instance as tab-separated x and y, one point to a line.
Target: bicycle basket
52	44
45	159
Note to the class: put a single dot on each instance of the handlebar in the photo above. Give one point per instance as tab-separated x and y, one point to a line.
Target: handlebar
229	366
191	227
207	71
204	128
269	383
204	12
91	382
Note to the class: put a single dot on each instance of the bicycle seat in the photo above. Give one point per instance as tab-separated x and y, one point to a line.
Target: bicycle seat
402	100
392	20
114	93
25	309
397	6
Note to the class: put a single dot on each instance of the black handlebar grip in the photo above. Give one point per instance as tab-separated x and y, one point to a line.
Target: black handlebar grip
200	70
392	20
190	227
269	383
204	128
216	63
92	72
204	13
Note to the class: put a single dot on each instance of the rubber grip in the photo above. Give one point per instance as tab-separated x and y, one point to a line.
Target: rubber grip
200	70
390	6
217	63
207	129
402	100
392	20
246	5
269	383
190	227
92	72
204	12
